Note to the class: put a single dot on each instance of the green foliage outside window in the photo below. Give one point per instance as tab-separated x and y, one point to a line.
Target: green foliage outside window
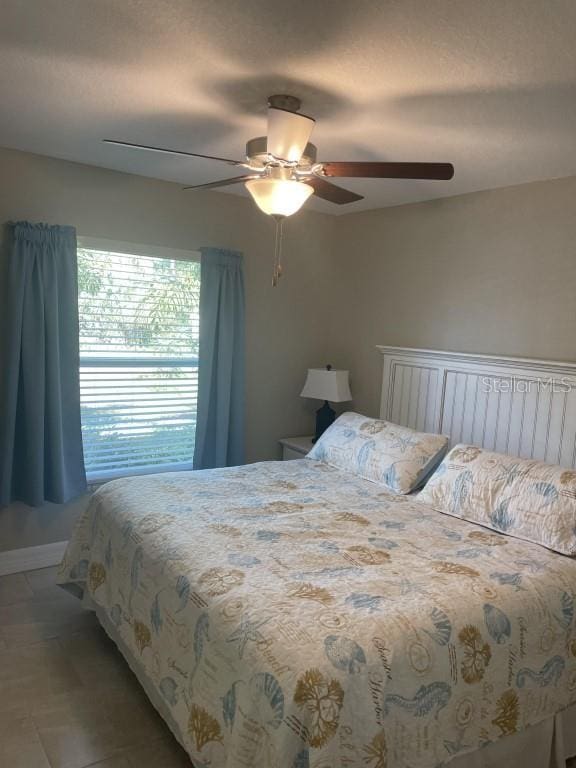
133	309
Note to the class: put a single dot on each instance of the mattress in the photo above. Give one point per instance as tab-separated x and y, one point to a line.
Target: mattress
290	614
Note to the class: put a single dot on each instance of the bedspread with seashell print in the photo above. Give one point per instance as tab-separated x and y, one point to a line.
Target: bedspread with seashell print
290	615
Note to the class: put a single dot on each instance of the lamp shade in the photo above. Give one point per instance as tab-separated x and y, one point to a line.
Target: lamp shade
323	384
279	197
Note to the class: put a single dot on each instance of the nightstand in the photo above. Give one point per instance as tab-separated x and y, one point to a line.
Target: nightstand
295	447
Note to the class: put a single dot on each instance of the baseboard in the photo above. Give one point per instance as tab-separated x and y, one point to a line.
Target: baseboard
30	558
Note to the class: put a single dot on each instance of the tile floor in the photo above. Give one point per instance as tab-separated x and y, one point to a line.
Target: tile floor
67	698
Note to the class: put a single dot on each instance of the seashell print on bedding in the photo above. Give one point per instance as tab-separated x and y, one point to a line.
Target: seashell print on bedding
385	453
345	626
344	653
169	690
497	624
523	498
442	627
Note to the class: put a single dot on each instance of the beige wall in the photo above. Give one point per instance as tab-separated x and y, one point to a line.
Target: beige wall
491	272
488	272
286	328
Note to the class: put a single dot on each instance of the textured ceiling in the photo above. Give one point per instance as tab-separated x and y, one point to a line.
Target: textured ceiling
489	85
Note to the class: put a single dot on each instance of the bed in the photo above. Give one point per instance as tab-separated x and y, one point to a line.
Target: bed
290	614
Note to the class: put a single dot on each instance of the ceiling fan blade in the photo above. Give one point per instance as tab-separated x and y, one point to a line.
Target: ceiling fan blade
223	183
170	151
288	133
369	170
331	192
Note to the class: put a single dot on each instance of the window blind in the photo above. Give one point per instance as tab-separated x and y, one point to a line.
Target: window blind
139	329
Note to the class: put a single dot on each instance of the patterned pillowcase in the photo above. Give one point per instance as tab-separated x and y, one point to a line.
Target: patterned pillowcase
397	457
527	499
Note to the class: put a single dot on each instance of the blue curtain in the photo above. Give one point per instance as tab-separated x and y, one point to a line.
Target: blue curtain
41	455
220	420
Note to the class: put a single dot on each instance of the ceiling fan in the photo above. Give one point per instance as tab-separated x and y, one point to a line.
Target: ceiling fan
281	170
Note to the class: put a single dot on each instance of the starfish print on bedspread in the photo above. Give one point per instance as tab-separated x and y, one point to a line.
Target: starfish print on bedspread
248	631
403	443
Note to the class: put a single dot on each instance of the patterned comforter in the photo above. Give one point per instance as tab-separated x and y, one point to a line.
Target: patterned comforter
289	615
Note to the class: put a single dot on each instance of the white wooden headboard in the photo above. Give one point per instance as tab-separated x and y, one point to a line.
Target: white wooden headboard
511	405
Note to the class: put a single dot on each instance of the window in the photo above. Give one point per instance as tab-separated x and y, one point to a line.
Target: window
139	329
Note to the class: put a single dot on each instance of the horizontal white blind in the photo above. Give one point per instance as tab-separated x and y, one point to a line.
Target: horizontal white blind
139	330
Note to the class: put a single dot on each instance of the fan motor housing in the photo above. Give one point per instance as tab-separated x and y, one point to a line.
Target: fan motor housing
257	151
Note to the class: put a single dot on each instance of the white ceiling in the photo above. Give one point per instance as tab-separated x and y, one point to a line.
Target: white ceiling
489	85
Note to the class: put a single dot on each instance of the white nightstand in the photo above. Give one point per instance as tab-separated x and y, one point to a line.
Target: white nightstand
295	447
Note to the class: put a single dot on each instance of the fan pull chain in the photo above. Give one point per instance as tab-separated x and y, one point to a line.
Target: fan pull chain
277	271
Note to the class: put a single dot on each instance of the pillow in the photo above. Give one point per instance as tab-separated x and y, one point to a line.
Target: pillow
520	497
397	457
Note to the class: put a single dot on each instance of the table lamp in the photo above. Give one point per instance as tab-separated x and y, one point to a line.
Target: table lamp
326	384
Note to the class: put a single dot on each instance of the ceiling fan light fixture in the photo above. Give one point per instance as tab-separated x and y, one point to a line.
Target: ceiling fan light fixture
288	134
279	197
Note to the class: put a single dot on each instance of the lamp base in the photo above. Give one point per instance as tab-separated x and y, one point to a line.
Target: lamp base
324	417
